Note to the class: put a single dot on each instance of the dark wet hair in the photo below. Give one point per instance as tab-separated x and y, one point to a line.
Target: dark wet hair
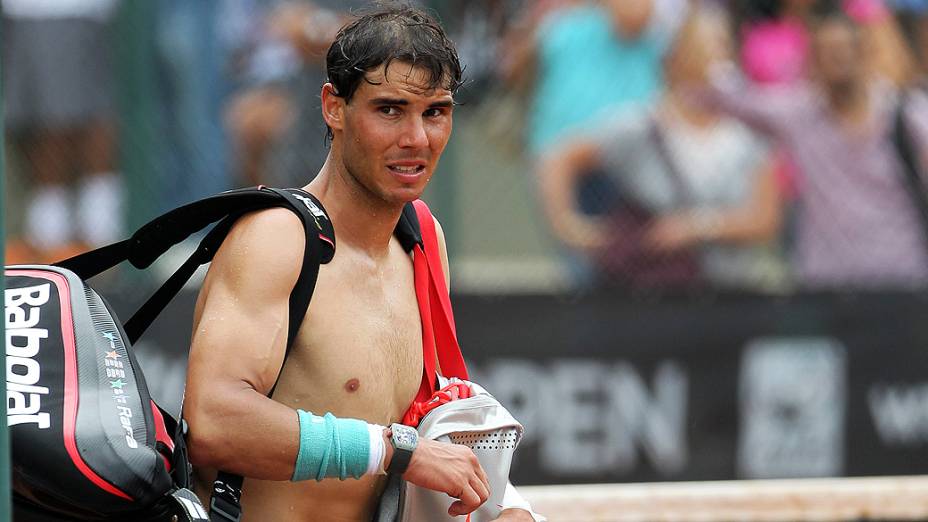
386	32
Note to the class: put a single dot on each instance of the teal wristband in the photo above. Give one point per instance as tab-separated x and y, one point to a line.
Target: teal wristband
331	447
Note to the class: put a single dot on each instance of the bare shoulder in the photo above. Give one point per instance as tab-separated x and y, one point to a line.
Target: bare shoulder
263	247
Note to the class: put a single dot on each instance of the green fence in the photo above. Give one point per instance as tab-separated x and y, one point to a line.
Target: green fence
4	435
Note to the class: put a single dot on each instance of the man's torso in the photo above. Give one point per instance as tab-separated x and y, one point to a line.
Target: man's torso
358	355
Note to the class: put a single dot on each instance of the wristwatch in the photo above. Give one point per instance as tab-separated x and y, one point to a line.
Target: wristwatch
404	440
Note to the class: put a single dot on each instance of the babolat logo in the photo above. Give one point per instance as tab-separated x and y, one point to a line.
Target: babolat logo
311	205
115	370
23	341
313	209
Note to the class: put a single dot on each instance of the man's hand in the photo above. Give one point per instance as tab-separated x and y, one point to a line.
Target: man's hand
452	469
514	515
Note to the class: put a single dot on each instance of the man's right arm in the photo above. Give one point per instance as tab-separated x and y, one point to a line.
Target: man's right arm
237	350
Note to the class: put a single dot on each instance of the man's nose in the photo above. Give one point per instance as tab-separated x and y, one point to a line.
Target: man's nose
414	135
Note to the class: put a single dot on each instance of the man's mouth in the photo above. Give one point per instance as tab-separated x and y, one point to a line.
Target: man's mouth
406	170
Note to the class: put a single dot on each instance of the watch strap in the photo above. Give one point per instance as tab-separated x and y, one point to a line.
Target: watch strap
399	462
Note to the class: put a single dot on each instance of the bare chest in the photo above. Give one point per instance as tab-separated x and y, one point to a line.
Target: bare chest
359	351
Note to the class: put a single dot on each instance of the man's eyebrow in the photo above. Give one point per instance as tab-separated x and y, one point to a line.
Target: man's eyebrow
401	102
389	101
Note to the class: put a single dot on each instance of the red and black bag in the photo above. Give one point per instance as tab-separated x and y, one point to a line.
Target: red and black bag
88	441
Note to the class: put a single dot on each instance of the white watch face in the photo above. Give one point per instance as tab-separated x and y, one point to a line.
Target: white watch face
404	437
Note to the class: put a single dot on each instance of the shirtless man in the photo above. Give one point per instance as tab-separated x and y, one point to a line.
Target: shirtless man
358	353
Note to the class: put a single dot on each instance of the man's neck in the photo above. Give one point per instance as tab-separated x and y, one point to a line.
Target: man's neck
361	220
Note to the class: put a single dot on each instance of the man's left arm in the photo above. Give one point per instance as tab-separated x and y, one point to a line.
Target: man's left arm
515	508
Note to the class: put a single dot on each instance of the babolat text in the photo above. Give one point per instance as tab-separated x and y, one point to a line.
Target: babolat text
23	342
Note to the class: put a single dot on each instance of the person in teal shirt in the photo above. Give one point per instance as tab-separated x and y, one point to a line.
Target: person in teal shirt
588	56
594	55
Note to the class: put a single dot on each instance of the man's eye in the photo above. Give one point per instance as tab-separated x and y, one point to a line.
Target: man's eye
432	113
389	110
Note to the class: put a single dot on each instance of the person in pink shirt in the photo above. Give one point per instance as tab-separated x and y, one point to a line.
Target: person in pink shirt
858	225
775	51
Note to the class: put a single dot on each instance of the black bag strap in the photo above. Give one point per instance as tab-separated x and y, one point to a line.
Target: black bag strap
319	250
914	182
225	504
225	501
156	237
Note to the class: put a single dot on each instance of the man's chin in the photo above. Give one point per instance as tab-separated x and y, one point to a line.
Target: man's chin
407	199
404	195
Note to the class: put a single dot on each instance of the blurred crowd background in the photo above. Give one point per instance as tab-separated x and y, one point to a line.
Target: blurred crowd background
688	238
648	146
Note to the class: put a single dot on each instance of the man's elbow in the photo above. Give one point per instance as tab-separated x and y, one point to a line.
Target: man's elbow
206	445
203	448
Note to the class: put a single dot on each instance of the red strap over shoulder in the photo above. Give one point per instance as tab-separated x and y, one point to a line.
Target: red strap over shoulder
438	328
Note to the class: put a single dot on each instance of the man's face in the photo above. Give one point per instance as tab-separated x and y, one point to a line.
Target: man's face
838	54
393	132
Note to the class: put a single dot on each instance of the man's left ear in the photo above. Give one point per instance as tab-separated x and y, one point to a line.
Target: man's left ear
333	107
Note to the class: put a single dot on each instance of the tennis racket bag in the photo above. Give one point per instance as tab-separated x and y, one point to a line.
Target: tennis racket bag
88	441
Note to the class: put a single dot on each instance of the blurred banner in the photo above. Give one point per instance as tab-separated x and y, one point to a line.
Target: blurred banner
612	389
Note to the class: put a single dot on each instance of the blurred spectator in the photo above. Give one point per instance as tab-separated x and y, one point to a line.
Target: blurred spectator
59	105
478	29
579	57
858	224
274	118
775	39
775	42
888	54
587	55
913	18
705	180
774	51
194	160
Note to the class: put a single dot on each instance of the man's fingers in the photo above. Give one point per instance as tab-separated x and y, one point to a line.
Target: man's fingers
478	469
482	490
468	502
456	509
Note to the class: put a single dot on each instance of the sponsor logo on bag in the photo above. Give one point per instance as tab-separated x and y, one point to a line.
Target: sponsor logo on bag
313	209
115	370
23	341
